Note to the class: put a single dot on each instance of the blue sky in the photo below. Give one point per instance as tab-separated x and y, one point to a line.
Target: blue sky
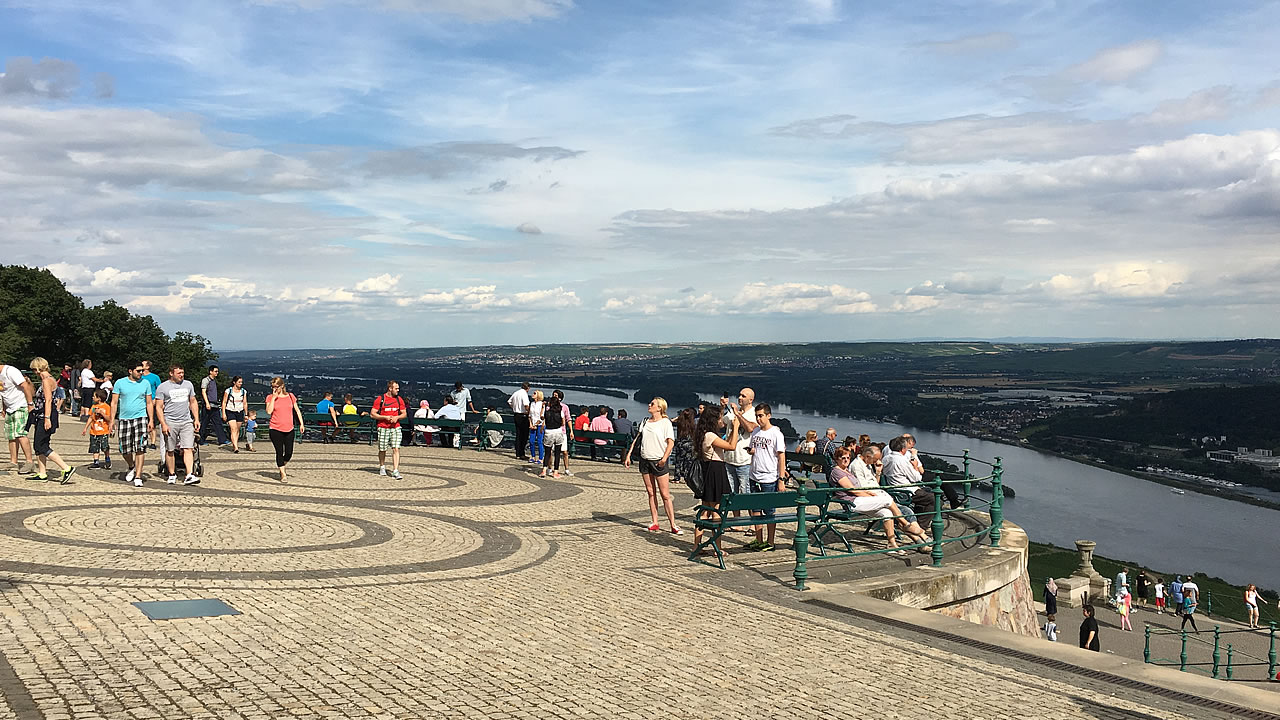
311	173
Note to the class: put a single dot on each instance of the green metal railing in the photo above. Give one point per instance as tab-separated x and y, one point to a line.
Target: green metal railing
1233	607
1212	667
821	497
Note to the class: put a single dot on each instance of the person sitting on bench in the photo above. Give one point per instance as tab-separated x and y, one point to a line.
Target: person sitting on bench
865	496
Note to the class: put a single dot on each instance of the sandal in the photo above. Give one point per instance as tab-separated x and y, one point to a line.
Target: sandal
676	531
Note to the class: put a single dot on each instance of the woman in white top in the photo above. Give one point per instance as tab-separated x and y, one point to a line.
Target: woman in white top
657	438
1251	599
537	427
233	410
715	476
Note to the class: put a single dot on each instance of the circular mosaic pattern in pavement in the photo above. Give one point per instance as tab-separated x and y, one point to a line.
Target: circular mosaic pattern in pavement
258	476
196	528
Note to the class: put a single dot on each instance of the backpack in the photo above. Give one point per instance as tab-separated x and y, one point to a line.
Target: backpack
380	405
554	420
695	478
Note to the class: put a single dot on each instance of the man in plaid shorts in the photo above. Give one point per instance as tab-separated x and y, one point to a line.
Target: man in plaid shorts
389	409
131	413
15	393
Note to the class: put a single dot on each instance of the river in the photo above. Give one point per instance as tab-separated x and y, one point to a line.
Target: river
1060	501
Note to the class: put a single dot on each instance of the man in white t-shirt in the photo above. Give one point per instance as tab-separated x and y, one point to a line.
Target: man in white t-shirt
16	396
768	450
88	383
519	402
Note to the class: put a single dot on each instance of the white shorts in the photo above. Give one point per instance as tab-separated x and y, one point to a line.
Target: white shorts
556	438
877	505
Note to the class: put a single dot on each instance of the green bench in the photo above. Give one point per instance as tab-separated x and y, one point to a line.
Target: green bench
613	441
508	430
361	425
716	521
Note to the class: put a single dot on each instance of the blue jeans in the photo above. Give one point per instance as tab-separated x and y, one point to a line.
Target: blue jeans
536	436
739	478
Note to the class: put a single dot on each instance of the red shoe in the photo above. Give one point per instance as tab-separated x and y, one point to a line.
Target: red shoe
677	531
654	527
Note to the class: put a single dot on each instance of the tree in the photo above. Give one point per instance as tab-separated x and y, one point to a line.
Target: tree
192	352
40	317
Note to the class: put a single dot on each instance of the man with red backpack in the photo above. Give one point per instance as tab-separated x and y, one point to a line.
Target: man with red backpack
389	409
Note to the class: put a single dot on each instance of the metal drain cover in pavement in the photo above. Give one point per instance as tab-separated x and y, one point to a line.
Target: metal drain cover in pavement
175	609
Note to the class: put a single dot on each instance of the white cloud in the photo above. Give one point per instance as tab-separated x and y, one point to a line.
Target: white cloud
384	283
1117	65
529	228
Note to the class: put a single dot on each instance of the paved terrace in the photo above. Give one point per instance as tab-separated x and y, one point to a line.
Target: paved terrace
468	589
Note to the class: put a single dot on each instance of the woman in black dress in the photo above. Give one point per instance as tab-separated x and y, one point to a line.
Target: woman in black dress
685	453
715	478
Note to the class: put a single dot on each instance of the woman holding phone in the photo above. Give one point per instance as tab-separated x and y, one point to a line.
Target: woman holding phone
282	407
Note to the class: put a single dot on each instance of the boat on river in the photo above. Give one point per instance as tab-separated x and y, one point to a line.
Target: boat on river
1177	491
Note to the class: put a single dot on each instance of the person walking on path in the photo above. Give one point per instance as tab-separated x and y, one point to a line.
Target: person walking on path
1089	630
179	421
1051	627
1141	586
1175	590
17	397
657	439
62	394
131	421
1050	597
154	381
233	407
1122	581
212	420
1158	588
389	409
1125	605
537	428
99	430
282	408
1190	601
43	420
88	383
1251	600
519	403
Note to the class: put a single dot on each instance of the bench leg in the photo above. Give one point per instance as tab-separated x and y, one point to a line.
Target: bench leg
714	541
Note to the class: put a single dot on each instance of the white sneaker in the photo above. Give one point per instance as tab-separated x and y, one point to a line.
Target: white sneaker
173	480
129	477
382	470
395	474
191	480
137	482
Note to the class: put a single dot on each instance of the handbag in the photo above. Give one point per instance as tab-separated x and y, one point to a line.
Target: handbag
694	479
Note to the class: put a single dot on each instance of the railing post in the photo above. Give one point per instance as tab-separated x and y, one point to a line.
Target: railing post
968	486
938	526
1208	603
997	502
1182	664
1216	657
802	538
1271	654
1230	659
1146	645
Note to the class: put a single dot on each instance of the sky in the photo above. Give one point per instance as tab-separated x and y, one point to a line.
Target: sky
395	173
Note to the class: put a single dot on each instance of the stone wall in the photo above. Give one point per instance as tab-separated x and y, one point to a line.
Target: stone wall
1010	608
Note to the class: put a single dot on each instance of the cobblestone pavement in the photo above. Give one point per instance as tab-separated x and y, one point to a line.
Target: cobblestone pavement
468	589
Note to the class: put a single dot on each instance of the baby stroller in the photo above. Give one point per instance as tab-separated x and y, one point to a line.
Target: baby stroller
180	465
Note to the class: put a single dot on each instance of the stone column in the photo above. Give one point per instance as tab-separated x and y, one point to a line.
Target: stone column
1086	585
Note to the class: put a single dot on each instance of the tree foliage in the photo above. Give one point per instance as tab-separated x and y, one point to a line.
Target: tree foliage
41	317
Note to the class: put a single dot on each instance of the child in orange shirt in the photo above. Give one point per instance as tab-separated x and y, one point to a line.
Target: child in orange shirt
99	429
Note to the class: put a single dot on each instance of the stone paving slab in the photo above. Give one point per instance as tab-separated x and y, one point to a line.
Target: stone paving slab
467	589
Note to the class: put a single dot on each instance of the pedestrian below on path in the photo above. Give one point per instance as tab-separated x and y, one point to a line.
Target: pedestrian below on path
43	423
328	428
1141	586
17	396
555	416
768	469
99	429
389	409
1124	603
600	423
282	408
1175	590
212	421
180	422
132	421
537	428
233	406
250	429
657	440
1251	600
1122	580
423	413
519	403
1050	597
1089	630
715	480
1051	628
1158	587
88	383
1190	601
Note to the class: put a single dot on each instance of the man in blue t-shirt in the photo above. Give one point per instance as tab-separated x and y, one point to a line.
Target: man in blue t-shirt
131	420
328	428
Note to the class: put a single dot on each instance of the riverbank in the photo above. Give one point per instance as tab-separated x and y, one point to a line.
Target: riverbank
1218	597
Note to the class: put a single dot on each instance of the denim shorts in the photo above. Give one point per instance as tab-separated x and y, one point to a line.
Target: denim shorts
759	487
739	478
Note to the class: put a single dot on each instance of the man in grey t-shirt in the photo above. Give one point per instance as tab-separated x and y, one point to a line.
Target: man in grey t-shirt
179	420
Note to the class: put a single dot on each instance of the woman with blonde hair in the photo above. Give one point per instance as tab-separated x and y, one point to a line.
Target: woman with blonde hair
282	408
1251	600
657	438
537	427
43	420
808	446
